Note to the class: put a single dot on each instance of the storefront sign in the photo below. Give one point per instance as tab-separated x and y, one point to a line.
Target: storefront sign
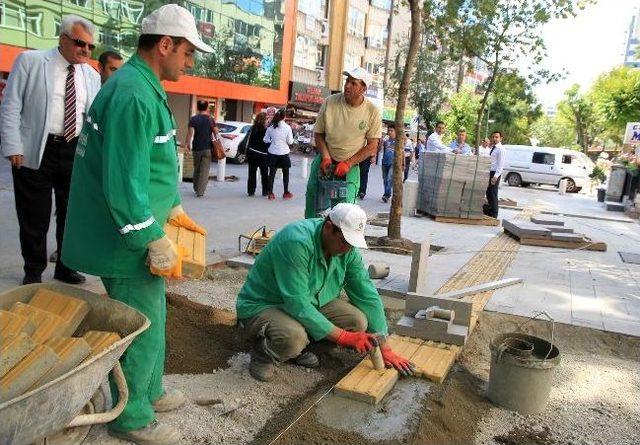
632	134
308	97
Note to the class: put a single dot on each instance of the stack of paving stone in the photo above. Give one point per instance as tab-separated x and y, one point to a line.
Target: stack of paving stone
453	185
36	343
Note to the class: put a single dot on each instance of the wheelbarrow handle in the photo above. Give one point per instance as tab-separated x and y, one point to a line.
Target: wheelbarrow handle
123	397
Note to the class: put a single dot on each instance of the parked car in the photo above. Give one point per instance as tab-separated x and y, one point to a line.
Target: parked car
233	135
527	165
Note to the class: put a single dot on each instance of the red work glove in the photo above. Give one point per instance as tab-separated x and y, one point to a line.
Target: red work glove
325	164
342	168
391	359
178	218
360	341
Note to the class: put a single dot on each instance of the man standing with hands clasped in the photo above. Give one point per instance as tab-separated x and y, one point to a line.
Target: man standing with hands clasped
347	132
498	158
124	189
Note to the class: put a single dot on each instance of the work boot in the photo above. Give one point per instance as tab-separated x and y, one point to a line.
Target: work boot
170	400
153	434
261	368
307	359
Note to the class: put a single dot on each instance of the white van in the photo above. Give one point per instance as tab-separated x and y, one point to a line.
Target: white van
527	165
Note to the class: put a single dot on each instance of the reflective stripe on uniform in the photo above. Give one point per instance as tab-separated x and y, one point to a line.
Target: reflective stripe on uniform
165	138
93	124
143	225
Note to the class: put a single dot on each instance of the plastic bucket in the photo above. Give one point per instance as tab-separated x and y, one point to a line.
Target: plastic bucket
521	375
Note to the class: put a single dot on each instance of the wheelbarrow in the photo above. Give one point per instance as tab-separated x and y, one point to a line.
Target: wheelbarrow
63	410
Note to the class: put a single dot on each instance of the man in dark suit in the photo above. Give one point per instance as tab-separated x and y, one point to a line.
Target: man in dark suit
45	102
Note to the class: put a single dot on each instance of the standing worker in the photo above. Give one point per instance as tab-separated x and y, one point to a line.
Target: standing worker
498	158
43	109
292	293
346	133
123	191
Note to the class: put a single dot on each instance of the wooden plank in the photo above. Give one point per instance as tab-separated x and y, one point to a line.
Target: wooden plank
48	325
72	310
479	288
485	221
585	245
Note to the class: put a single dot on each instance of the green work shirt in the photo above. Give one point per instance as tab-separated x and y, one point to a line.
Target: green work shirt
125	176
291	274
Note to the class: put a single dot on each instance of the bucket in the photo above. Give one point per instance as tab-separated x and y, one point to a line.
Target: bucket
601	194
522	369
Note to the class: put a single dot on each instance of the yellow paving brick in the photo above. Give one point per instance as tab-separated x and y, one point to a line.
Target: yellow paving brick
30	369
12	324
14	348
100	340
71	352
48	325
71	309
194	263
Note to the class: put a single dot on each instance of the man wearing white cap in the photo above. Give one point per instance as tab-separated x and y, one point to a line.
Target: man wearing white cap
347	132
292	293
123	191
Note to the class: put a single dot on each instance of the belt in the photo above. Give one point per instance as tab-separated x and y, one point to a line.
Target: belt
57	139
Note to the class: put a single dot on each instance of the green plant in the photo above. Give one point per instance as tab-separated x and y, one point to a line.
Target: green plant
598	175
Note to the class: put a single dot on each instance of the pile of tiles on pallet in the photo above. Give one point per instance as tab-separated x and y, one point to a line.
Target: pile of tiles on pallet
37	343
453	185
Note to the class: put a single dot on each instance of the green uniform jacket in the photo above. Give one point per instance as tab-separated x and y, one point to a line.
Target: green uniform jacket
125	176
291	274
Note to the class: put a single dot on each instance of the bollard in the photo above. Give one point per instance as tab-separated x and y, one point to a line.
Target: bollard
222	164
305	168
562	187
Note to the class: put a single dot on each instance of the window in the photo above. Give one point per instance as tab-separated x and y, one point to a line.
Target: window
376	36
81	3
202	14
351	61
15	17
313	8
544	158
306	53
566	159
357	20
382	4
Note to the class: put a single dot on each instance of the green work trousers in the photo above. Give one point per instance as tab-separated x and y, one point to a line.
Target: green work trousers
143	361
353	180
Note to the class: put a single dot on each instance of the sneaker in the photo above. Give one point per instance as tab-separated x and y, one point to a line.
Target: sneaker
271	196
385	199
261	368
287	195
172	399
251	194
155	433
361	196
307	359
31	279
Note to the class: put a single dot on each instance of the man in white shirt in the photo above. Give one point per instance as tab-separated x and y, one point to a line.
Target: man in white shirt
498	158
434	142
484	149
45	101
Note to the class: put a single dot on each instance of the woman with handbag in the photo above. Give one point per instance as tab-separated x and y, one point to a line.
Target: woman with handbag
201	131
280	138
257	155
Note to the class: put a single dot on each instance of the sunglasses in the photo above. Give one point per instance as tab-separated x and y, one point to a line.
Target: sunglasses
81	43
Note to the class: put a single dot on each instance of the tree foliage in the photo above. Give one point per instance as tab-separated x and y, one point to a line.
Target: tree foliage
554	131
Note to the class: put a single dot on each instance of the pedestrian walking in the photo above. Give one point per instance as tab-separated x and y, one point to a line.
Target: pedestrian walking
280	137
124	190
408	155
388	150
257	155
202	128
45	102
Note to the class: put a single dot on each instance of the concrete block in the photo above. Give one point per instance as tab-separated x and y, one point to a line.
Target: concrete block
412	327
100	340
48	325
378	270
14	348
72	310
71	352
613	206
523	229
573	237
559	229
414	302
547	221
12	324
243	260
418	274
27	372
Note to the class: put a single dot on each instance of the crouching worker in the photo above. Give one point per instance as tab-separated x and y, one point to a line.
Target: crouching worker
291	294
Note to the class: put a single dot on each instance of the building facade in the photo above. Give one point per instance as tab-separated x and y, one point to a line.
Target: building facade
250	68
632	45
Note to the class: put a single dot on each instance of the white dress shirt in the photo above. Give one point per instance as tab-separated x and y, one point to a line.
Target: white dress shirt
498	158
56	122
280	138
434	144
484	151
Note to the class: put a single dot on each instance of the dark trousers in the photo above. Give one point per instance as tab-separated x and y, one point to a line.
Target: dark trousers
201	167
387	179
285	178
32	190
491	208
364	176
258	162
407	164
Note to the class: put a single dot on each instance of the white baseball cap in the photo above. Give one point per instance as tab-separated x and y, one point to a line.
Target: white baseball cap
351	220
174	21
360	74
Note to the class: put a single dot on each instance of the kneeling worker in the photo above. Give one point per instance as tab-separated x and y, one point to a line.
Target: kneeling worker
292	292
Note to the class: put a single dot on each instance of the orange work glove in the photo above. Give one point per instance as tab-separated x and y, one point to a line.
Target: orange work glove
178	218
325	164
391	359
165	258
342	169
360	341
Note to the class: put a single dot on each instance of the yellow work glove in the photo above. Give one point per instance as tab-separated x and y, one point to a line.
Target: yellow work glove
178	218
165	258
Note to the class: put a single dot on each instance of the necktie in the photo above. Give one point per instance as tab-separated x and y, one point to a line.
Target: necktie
70	105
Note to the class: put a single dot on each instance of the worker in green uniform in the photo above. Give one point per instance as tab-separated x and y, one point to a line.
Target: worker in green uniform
346	133
123	191
292	293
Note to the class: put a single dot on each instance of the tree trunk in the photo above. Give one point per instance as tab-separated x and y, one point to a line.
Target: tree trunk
395	215
483	104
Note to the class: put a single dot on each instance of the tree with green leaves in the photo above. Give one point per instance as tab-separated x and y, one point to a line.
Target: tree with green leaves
554	131
578	109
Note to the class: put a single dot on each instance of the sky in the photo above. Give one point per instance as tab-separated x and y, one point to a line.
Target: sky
586	46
